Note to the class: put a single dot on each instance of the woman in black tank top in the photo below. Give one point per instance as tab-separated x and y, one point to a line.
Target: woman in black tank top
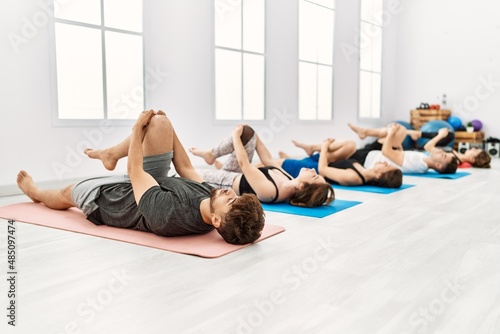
270	183
352	173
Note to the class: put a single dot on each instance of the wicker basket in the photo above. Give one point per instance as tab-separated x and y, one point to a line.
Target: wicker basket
420	116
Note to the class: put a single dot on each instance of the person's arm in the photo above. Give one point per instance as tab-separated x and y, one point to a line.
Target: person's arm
394	139
264	155
341	176
182	163
141	180
431	144
264	189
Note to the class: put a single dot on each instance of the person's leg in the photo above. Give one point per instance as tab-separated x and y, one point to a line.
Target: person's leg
368	132
341	150
225	147
380	132
59	199
338	149
110	156
249	140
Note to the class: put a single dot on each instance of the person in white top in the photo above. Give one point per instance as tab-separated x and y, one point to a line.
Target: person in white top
389	149
412	161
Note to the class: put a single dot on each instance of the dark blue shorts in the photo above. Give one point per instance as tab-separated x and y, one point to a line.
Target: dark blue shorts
293	166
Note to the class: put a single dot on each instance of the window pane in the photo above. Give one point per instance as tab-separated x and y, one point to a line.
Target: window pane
365	94
324	92
124	75
307	91
370	47
325	3
123	14
87	11
79	72
371	11
315	33
377	50
227	85
307	32
253	25
227	25
253	87
324	21
376	94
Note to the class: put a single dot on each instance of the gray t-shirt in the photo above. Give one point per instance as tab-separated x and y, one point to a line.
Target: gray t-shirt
170	209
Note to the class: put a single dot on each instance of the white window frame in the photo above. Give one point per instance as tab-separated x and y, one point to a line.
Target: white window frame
105	121
232	5
317	64
375	108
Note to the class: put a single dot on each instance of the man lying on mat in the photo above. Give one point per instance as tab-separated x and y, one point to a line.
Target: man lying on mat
388	149
147	199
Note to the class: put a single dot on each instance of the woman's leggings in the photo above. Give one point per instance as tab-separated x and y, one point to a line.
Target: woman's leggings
249	140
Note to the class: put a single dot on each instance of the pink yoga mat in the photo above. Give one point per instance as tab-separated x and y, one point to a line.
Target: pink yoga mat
208	245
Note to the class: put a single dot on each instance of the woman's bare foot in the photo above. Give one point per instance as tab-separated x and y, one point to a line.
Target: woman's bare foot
361	132
283	155
206	155
107	159
26	184
308	148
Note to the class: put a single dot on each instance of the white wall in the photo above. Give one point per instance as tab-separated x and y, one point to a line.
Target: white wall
449	47
431	48
178	41
28	140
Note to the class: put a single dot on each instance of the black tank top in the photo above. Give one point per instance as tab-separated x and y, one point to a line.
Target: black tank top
345	164
245	187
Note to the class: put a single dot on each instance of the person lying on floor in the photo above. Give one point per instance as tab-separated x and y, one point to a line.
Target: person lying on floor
147	199
347	172
343	150
351	172
475	156
390	149
270	183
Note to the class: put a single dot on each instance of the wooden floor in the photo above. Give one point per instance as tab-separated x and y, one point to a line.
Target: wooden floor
423	260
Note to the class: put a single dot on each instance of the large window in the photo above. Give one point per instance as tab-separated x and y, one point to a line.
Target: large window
370	58
98	60
316	26
239	59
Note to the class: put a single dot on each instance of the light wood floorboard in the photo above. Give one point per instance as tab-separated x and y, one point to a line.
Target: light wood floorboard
423	260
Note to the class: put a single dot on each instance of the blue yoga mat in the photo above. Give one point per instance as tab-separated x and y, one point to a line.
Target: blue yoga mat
318	212
373	189
436	175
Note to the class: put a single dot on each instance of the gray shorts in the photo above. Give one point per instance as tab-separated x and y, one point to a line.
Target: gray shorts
87	191
218	178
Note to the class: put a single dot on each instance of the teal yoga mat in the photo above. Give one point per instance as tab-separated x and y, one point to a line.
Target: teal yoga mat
373	189
318	212
436	175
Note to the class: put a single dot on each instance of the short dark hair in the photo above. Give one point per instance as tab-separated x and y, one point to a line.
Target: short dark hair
390	179
449	168
482	160
313	195
244	222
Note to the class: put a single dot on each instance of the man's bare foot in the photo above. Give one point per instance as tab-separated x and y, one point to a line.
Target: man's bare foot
360	131
26	184
308	148
206	155
283	155
105	156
